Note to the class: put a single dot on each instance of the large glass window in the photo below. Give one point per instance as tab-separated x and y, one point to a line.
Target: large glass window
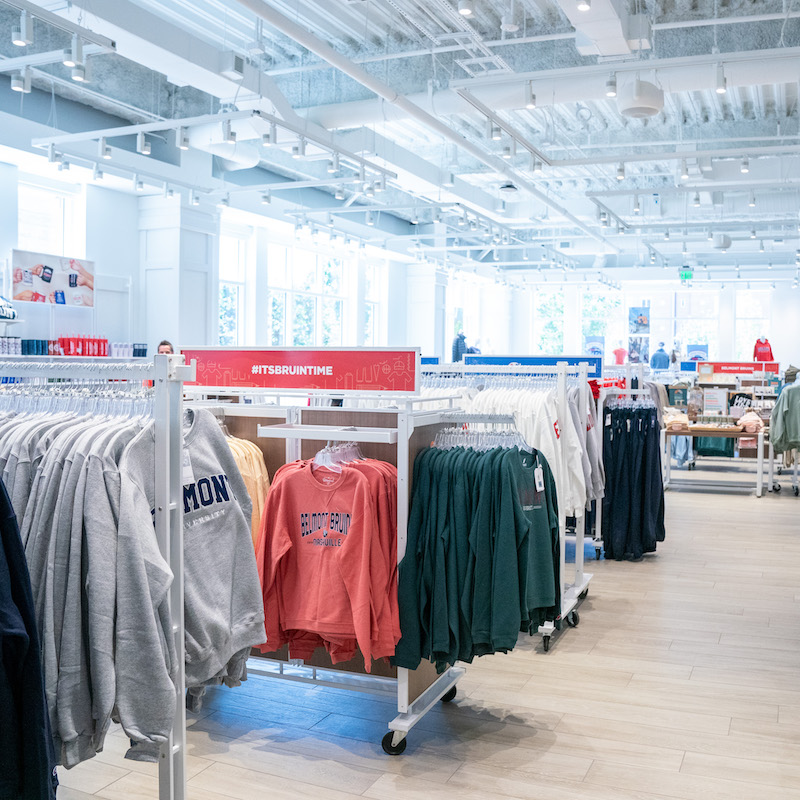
548	323
752	320
374	302
697	321
46	218
602	315
232	278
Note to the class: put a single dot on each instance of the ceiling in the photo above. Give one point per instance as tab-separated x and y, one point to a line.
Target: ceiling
441	110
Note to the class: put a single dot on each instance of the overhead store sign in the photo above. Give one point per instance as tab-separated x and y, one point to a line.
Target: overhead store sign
711	368
297	368
595	364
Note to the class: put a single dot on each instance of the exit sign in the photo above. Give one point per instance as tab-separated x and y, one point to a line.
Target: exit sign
686	274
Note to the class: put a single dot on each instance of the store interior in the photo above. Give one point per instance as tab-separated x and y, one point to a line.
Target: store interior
609	182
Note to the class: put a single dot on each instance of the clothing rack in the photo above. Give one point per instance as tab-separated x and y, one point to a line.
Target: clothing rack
168	372
571	593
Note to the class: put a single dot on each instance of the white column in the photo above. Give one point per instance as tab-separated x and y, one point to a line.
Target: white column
727	323
8	220
521	322
426	306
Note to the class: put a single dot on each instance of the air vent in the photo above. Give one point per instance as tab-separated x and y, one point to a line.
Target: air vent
232	66
639	99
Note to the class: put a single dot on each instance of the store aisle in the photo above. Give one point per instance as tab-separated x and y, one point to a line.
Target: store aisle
680	682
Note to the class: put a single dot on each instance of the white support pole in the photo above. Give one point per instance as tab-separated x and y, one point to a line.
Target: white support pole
563	410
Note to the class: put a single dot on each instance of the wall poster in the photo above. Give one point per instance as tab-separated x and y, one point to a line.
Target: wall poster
41	278
639	319
594	346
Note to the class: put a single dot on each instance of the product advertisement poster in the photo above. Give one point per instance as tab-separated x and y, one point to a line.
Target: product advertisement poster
639	349
639	319
41	278
594	346
297	368
697	352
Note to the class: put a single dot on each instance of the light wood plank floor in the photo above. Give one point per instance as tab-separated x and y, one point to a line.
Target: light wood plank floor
681	681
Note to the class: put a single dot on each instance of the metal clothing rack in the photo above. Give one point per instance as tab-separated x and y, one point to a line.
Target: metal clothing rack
167	372
772	483
571	593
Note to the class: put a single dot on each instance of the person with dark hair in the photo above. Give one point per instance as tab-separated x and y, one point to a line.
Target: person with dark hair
459	346
165	348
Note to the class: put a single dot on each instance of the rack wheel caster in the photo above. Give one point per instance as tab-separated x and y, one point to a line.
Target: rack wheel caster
776	487
572	619
780	470
796	491
449	695
597	552
393	749
584	594
546	643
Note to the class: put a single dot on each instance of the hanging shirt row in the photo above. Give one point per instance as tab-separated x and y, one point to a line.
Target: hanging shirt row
482	555
327	557
84	490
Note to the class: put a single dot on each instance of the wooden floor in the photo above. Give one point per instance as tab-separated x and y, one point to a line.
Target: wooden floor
681	681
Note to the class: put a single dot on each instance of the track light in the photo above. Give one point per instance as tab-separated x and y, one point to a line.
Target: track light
761	246
697	200
462	221
745	167
103	150
530	101
621	172
752	201
496	133
370	190
333	164
270	138
637	209
685	250
97	173
753	234
370	218
22	34
710	235
415	218
495	255
73	55
611	85
684	170
339	194
537	165
138	185
466	8
525	255
380	184
63	164
228	135
224	202
584	5
52	156
666	235
266	198
142	145
652	257
21	81
169	192
194	200
182	139
722	81
299	150
508	152
78	73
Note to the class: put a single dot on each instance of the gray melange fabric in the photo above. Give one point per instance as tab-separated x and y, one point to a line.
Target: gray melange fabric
223	607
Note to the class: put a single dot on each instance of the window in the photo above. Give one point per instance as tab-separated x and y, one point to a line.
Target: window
548	323
46	220
602	315
232	279
697	321
306	297
752	320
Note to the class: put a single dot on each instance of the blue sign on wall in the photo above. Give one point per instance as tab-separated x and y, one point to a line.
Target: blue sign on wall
595	364
430	360
688	366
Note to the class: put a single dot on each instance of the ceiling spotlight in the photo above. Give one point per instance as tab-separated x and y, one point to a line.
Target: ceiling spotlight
466	7
745	167
224	202
194	200
530	101
508	188
696	200
52	155
22	34
339	194
761	246
370	190
710	235
266	198
752	201
508	151
228	135
584	5
666	235
62	162
415	218
138	184
97	173
78	73
299	150
495	255
168	191
103	150
685	250
611	85
380	184
333	164
684	170
182	139
722	81
270	138
21	81
142	145
496	133
652	257
637	209
462	221
525	255
753	234
370	218
537	165
73	55
621	172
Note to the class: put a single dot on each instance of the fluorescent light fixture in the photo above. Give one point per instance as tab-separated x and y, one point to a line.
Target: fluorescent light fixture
142	145
266	198
611	85
22	34
530	101
182	139
228	135
584	5
79	73
466	7
745	167
722	81
621	172
103	150
73	55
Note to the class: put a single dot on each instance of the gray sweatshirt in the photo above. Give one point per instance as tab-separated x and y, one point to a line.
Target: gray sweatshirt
223	606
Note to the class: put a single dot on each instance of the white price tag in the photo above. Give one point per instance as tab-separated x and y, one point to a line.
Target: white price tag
538	475
608	419
187	474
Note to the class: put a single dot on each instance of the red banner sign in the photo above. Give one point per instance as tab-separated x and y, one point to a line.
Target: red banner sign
736	368
338	370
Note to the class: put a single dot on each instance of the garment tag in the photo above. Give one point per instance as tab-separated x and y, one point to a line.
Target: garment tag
538	475
187	474
608	419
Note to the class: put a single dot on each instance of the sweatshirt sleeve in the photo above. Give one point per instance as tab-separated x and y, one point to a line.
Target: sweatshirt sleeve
145	652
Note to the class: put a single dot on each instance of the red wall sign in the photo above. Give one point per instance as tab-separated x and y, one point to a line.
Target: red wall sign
734	368
339	370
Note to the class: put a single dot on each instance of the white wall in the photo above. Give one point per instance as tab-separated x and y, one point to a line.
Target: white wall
397	322
785	328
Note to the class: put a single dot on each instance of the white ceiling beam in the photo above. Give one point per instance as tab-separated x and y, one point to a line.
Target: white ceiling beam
42	59
57	21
